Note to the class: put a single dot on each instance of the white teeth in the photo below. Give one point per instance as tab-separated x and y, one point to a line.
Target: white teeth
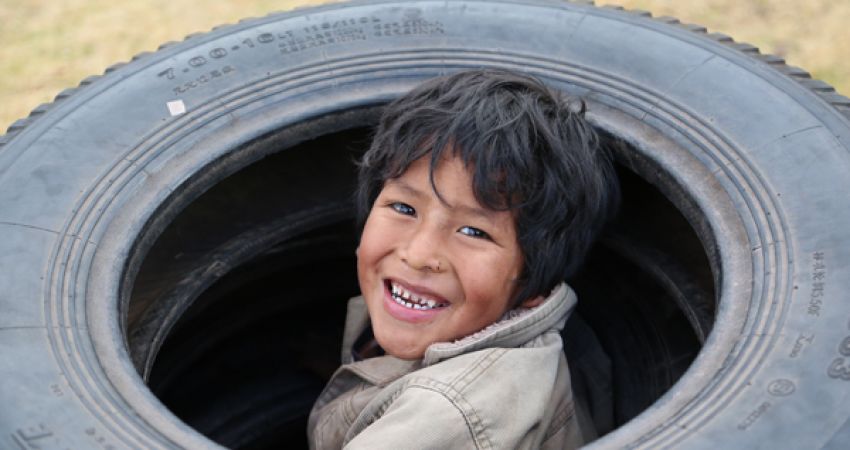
401	294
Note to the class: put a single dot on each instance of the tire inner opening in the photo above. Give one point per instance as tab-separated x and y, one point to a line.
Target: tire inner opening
236	313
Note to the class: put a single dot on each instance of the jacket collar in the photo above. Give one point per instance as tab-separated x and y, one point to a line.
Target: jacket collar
515	328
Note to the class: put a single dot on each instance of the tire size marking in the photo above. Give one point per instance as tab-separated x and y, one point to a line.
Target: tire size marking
288	41
29	438
816	295
194	62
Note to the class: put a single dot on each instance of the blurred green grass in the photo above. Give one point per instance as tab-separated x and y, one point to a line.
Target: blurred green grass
49	45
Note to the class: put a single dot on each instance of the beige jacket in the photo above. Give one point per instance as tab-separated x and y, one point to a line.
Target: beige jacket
504	387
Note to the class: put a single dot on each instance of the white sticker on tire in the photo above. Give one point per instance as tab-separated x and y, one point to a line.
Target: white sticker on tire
176	107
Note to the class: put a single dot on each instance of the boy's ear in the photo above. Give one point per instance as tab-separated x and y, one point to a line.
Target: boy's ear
532	302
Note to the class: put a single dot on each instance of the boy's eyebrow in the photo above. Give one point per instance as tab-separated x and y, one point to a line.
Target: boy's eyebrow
405	187
475	211
463	209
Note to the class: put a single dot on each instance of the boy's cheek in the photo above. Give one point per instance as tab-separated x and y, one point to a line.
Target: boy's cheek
533	302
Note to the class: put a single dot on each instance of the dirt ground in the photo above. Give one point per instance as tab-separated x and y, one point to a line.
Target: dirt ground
49	45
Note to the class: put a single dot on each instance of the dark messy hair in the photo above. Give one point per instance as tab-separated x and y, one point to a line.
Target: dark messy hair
529	150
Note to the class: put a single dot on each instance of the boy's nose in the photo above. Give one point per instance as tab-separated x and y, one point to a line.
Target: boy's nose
422	252
431	265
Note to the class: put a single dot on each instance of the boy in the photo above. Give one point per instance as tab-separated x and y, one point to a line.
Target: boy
481	191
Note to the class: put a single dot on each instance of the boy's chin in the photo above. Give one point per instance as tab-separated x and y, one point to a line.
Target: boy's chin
399	350
408	357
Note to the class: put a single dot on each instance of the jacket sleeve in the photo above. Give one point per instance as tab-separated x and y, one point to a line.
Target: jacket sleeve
419	418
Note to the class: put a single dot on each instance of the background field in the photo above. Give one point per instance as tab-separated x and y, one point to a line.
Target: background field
48	45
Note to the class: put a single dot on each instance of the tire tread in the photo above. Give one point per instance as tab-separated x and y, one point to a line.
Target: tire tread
820	88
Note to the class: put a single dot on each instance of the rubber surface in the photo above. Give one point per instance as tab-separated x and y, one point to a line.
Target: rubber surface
753	151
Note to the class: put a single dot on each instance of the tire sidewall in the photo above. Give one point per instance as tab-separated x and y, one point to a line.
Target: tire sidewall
754	154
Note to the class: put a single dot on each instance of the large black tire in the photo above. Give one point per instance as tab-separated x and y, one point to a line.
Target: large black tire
752	152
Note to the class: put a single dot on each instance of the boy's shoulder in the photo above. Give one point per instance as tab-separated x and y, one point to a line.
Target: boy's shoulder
487	375
480	377
508	388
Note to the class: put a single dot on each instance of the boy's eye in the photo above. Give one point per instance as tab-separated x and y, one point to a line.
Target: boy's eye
474	232
403	208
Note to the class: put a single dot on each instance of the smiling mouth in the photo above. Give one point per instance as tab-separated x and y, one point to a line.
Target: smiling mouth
410	300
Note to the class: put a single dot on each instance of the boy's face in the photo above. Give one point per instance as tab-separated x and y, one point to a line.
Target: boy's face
433	271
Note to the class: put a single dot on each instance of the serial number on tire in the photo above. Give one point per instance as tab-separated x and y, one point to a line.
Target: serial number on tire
203	79
816	295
